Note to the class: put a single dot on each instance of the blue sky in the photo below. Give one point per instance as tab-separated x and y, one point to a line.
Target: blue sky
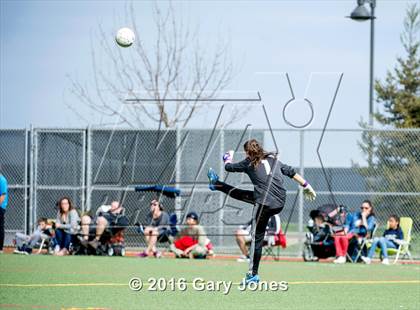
44	41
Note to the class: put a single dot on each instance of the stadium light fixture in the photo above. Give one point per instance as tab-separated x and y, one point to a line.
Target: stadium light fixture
360	14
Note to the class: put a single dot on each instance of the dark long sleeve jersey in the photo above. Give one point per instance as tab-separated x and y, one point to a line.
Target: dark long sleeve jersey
267	178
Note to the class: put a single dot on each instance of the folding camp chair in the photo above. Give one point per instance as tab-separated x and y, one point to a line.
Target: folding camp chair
44	244
406	224
364	242
272	245
272	250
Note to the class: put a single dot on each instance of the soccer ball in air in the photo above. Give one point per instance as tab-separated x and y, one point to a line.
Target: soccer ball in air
125	37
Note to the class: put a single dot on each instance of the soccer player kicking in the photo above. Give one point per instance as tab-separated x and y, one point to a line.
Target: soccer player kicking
268	197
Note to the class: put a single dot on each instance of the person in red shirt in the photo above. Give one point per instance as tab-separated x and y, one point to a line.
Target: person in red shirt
192	241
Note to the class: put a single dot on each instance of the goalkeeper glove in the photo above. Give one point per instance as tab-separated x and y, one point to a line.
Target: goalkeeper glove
228	157
309	192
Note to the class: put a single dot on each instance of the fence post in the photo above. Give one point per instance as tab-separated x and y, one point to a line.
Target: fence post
302	173
83	174
178	202
31	178
25	182
88	170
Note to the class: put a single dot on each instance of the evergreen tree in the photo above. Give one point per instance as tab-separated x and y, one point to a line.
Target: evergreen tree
395	156
399	94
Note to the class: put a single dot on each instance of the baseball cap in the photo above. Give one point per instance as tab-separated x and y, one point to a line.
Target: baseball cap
193	215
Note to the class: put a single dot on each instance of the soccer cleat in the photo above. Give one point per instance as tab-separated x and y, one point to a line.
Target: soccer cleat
250	278
213	178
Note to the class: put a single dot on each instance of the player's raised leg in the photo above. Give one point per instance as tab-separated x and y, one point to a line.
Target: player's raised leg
236	193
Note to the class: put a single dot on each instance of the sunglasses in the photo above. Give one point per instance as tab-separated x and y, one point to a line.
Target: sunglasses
364	208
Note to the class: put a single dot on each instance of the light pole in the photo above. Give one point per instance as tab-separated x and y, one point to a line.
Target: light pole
361	13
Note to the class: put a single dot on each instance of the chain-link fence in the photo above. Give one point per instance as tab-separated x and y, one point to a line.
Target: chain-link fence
13	164
96	166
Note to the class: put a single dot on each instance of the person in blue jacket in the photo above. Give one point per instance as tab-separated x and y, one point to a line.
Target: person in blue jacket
391	239
358	224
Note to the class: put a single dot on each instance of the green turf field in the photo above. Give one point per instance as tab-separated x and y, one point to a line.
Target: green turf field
47	282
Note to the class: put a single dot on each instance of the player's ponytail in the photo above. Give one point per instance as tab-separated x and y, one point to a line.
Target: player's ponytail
255	152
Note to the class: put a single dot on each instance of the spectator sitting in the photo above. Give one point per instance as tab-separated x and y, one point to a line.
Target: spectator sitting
106	217
192	241
25	243
322	229
157	229
391	238
358	224
243	236
321	243
66	226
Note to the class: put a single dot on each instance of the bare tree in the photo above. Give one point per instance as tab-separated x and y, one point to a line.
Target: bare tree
175	74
